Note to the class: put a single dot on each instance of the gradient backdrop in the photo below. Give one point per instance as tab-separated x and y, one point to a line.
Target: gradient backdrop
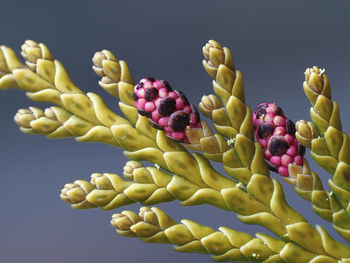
272	43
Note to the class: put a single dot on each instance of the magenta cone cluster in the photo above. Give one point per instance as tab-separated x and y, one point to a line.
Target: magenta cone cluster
276	135
166	109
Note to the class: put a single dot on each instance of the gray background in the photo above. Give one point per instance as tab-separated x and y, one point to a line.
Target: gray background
272	43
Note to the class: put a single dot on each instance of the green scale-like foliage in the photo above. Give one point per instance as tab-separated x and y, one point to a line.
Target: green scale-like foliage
184	171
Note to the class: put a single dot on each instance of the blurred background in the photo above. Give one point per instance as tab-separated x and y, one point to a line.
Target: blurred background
272	43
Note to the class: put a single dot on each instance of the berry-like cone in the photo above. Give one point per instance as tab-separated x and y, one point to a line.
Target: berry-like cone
276	134
166	109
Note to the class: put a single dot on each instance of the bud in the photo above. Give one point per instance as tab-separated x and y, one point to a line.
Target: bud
121	222
73	193
208	104
129	169
305	132
315	79
214	54
106	66
302	178
147	215
100	181
303	129
294	170
24	116
194	135
97	60
203	139
34	120
32	51
51	114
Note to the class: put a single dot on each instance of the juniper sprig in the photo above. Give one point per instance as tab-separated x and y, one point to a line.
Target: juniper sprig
155	226
180	148
328	143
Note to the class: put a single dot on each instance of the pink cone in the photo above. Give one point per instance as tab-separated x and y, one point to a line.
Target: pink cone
276	135
165	108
